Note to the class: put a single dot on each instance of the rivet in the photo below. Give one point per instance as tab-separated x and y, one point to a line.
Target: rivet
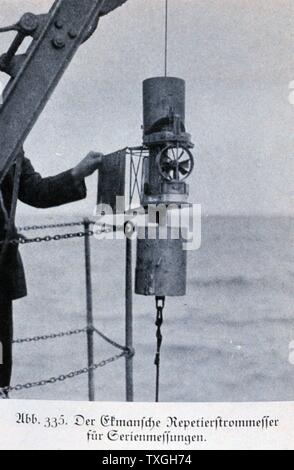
59	24
72	34
58	42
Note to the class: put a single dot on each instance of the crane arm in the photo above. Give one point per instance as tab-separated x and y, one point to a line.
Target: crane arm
56	37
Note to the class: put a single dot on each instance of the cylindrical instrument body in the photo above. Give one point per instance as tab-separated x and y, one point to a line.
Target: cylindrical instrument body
161	268
163	97
164	127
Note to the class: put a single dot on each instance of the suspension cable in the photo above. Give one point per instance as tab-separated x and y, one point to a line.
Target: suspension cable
160	302
166	40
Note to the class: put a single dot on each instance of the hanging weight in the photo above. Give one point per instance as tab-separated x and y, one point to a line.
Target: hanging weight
161	264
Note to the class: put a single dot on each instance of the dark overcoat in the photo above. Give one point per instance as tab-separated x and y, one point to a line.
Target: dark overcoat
37	192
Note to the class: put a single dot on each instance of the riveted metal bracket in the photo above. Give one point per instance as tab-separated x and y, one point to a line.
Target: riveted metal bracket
36	73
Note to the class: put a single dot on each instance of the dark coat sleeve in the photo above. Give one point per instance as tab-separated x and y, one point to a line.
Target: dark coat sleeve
49	192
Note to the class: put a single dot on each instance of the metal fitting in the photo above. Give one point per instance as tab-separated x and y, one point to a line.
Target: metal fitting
58	42
59	24
72	34
130	353
29	23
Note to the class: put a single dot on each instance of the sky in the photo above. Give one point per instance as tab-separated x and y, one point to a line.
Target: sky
237	59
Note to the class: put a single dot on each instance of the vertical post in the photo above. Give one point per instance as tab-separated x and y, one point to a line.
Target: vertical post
90	331
129	321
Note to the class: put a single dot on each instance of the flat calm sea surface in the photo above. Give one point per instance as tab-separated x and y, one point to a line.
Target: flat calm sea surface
227	340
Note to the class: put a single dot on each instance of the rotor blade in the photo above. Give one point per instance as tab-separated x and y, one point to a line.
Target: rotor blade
166	159
185	167
168	176
166	163
186	164
167	171
183	171
173	152
180	156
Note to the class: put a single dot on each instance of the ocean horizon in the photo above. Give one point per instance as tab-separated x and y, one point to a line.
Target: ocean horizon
229	339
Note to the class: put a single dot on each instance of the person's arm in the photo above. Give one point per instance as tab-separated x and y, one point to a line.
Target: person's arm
56	190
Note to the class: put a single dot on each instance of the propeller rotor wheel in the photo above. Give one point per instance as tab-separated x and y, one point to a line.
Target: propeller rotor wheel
175	164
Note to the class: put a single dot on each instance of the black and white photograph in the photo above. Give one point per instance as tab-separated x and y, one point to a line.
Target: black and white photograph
146	201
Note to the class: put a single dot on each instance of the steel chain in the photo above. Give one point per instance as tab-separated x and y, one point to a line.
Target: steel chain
31	228
108	340
22	240
63	334
63	377
49	238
